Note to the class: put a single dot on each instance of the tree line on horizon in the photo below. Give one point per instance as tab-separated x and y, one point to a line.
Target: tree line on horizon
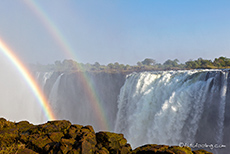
147	64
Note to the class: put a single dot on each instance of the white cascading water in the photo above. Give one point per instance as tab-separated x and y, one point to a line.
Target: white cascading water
43	77
72	99
170	107
164	107
223	93
54	95
67	103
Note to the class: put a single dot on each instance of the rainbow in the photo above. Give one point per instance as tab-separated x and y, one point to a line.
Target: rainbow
29	79
63	43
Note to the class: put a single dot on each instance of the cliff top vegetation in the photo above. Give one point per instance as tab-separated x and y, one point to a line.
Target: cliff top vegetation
147	64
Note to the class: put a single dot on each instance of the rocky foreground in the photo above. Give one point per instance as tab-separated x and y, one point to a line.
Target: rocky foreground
62	137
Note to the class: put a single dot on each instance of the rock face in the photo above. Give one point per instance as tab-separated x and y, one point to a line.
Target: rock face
68	91
62	137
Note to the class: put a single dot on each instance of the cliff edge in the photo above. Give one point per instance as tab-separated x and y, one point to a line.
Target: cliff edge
62	137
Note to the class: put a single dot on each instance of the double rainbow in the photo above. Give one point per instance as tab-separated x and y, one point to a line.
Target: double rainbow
65	46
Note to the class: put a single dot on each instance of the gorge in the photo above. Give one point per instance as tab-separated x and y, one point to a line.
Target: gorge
161	107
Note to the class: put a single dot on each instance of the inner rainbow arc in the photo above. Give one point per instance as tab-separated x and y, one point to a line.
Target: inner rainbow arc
29	79
66	47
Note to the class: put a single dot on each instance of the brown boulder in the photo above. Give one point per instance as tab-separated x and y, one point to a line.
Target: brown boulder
103	150
154	148
86	140
26	151
73	131
151	148
56	136
50	127
114	143
60	137
38	143
8	133
5	124
201	152
66	145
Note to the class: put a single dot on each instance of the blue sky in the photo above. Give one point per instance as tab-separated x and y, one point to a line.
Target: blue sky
124	31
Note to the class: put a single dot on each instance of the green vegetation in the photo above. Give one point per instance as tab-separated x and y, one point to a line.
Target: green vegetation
147	64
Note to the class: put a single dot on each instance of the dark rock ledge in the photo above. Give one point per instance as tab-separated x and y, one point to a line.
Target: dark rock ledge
62	137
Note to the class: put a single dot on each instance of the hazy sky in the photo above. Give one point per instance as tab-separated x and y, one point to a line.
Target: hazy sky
124	31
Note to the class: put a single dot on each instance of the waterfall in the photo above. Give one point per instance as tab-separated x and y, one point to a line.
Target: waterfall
162	107
73	99
53	97
42	77
169	107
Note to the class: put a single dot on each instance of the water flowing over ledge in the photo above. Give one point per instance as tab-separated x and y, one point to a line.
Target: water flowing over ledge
169	107
161	107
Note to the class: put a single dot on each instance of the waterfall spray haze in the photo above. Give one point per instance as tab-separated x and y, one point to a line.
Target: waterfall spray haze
164	107
70	98
17	100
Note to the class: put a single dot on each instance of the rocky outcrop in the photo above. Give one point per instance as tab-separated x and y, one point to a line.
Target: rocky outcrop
153	148
62	137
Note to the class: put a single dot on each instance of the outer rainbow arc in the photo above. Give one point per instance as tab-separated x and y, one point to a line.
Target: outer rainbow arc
63	43
29	79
